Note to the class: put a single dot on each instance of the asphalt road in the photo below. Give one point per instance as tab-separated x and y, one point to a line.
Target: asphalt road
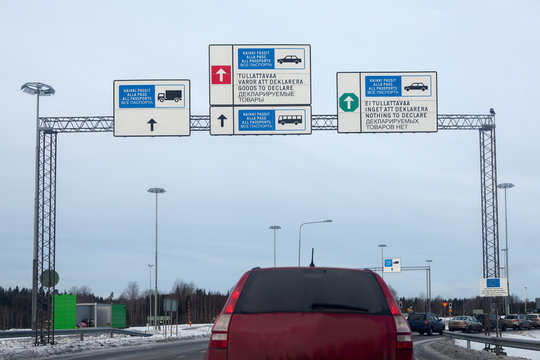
195	349
184	349
422	350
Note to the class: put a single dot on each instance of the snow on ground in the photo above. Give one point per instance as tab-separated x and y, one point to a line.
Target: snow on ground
511	334
24	348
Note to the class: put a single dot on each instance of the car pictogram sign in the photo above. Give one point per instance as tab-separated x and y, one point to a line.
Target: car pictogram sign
221	75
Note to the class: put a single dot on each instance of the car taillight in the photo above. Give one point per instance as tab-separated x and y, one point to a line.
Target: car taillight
464	323
404	343
404	337
426	322
220	331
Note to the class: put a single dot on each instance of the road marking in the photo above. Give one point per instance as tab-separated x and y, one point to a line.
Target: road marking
181	356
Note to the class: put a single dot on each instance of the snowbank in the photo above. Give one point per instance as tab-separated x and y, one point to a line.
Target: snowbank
24	348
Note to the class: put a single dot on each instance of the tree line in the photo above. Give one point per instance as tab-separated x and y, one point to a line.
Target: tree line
200	306
194	304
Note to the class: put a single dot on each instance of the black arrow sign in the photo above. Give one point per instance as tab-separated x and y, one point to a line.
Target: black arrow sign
222	117
152	122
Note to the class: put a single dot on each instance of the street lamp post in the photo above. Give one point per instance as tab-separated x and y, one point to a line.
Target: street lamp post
300	234
382	246
525	299
506	186
150	293
39	89
275	227
428	284
156	191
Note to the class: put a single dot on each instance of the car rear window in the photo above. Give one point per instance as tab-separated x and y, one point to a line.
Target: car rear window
511	317
312	290
417	317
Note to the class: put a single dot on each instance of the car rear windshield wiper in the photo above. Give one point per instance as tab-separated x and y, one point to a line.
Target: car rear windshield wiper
324	306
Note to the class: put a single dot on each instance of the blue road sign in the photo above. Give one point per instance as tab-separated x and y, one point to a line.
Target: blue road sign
388	262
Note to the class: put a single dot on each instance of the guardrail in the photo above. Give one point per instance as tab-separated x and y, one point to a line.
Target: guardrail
82	332
497	341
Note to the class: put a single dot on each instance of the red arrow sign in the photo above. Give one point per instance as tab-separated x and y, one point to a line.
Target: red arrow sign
221	74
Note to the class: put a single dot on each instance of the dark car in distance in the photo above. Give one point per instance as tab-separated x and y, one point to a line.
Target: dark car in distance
422	322
310	313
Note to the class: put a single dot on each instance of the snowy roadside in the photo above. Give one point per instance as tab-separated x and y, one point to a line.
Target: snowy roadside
511	334
24	348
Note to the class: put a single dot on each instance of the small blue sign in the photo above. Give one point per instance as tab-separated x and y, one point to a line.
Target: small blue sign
387	262
383	86
249	59
256	120
137	96
493	283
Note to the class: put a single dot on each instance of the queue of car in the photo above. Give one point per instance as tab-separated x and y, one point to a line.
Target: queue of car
468	323
327	313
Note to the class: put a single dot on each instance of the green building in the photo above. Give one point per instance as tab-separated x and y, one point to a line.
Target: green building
65	312
68	314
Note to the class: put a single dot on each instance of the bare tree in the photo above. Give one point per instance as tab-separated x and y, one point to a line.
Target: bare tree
131	294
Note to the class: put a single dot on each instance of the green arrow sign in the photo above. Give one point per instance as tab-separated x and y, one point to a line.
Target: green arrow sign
348	102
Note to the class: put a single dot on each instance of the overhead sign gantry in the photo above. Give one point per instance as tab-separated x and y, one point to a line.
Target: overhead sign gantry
260	89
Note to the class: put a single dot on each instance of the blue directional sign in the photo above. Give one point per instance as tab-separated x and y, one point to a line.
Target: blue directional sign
137	96
255	58
257	120
271	120
383	86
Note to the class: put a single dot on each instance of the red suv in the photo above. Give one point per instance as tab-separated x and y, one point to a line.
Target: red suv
310	313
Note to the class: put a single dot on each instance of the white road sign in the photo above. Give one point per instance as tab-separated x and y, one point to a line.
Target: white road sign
260	75
492	287
392	265
260	120
152	107
387	102
260	89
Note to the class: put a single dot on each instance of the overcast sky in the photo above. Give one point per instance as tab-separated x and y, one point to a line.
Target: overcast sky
417	193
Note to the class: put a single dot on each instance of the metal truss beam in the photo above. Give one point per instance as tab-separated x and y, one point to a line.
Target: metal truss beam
202	123
49	127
